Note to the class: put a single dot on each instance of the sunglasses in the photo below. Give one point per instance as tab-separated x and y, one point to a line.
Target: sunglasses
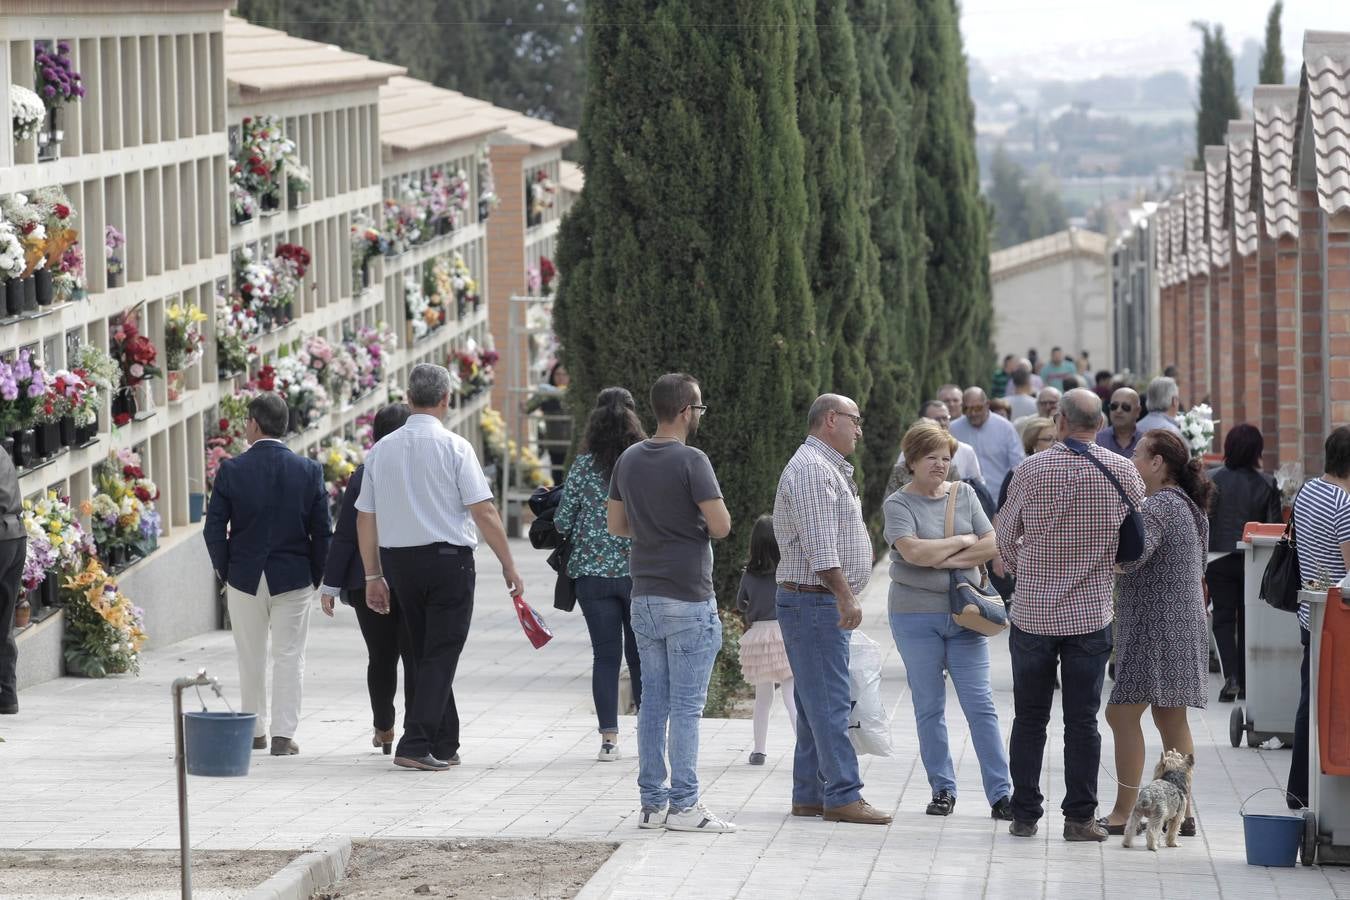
1123	407
857	420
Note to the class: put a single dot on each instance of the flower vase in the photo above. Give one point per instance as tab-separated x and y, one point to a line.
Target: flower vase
50	137
270	202
365	273
25	448
294	421
288	312
50	590
144	398
30	294
23	613
66	426
42	286
173	380
117	556
48	439
13	296
114	279
124	404
294	199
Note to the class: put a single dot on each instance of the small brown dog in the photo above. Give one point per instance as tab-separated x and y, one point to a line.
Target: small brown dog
1164	800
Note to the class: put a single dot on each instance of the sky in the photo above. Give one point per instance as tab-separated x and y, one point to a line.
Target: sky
1076	39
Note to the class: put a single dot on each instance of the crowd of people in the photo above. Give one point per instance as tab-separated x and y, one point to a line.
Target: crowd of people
1092	517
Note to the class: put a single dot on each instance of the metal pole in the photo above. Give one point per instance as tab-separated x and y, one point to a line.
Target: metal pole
180	764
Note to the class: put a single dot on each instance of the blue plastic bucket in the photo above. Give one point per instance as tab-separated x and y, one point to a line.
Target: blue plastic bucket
218	744
1272	840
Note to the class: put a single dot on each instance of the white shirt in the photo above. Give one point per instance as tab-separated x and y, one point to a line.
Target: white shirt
419	482
1021	405
966	462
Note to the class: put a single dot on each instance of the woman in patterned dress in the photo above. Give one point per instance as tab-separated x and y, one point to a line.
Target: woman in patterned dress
1162	643
599	560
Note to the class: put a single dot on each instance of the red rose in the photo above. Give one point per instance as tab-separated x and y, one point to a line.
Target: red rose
121	419
62	211
143	495
224	425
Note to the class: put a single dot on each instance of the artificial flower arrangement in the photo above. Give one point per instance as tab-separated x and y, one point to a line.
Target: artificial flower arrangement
184	341
57	81
539	280
528	470
367	242
333	366
101	374
29	224
26	112
11	252
105	631
113	242
404	221
243	206
122	512
57	545
364	431
487	189
298	180
339	458
422	316
1197	429
542	192
23	389
474	366
371	349
289	264
297	384
448	200
237	326
226	439
58	221
69	274
135	353
264	150
65	396
39	555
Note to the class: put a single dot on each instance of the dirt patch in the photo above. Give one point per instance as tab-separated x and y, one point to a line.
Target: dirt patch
134	874
468	870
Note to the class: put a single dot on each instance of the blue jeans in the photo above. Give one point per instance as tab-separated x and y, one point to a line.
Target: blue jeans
677	641
1081	659
928	642
825	767
605	604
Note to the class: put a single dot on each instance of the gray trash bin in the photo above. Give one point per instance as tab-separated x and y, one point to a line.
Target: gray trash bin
1273	654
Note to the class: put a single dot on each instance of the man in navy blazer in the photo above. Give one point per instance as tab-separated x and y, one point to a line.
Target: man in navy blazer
267	530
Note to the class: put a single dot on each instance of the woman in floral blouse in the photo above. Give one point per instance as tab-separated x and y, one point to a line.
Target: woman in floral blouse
599	560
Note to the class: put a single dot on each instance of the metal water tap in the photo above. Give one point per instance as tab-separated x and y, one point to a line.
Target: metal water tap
201	679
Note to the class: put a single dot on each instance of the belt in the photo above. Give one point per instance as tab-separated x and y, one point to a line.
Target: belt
439	546
805	588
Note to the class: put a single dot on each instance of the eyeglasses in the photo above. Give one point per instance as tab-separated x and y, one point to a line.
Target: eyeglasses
1123	407
701	407
857	420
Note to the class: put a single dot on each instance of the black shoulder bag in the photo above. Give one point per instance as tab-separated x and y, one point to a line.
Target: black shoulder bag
1131	545
1281	581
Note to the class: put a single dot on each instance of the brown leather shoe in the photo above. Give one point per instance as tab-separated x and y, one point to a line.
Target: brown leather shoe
384	740
284	747
260	743
807	810
859	812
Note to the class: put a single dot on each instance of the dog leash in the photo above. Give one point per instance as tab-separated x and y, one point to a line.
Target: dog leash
1133	787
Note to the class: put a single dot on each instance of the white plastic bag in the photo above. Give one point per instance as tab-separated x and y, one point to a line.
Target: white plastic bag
869	727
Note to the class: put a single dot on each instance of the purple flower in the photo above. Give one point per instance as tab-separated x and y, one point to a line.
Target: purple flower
79	91
49	92
62	46
49	74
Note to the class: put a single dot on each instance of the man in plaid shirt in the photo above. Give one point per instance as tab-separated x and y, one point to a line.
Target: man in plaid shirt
1058	534
826	560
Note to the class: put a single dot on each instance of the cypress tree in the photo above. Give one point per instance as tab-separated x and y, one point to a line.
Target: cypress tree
841	260
954	214
1272	54
685	251
1218	91
897	354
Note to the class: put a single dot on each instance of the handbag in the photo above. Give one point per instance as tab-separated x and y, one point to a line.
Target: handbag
977	607
532	623
1282	579
1131	544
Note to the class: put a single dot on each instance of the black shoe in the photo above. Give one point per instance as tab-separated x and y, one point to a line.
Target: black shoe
1002	810
1187	827
757	759
1228	693
1022	829
426	763
1111	671
942	804
1120	829
9	709
1214	667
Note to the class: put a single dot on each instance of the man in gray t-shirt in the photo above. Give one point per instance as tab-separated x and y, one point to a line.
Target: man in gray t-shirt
663	494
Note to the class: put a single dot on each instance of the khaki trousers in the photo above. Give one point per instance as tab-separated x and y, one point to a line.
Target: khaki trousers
285	617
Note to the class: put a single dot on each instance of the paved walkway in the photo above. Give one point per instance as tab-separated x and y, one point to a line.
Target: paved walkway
89	764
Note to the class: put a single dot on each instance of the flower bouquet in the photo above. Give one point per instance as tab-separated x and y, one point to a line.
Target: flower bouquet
69	276
542	191
26	111
236	327
367	242
339	458
298	181
104	630
289	265
23	387
65	396
226	440
243	206
421	315
474	366
57	83
183	343
101	374
265	148
1197	429
136	355
487	189
113	242
256	285
11	268
122	513
307	399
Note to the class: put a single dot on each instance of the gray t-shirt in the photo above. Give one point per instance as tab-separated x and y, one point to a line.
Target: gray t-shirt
923	589
661	484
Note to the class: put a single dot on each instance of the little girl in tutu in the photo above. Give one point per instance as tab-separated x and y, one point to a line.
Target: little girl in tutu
763	659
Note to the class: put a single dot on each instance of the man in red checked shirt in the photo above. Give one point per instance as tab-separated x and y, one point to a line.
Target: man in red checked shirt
1058	534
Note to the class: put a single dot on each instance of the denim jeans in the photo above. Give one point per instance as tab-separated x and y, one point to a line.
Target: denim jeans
928	642
606	604
677	641
1035	657
825	767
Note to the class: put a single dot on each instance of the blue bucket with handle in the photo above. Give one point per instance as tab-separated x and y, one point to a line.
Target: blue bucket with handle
218	744
1272	839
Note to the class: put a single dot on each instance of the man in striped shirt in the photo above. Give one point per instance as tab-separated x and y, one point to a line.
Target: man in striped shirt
1322	526
1058	533
826	560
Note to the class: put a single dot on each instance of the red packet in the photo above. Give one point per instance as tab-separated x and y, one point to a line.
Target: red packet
532	623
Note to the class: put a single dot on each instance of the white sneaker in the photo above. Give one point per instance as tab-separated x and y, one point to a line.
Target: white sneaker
609	751
698	818
652	818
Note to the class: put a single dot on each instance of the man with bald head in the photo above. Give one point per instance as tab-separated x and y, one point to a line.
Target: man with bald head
1122	430
1058	533
994	438
826	560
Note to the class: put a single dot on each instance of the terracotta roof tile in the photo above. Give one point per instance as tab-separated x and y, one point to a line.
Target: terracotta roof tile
1197	250
1216	191
1326	80
1162	243
1275	109
1241	144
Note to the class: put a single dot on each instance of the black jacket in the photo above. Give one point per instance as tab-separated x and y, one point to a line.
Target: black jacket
276	509
1241	496
344	568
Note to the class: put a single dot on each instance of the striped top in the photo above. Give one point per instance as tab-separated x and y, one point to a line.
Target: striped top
1321	526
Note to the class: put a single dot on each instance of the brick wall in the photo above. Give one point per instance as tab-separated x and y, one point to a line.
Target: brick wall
1337	261
506	262
1221	372
1312	345
1196	370
1287	380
